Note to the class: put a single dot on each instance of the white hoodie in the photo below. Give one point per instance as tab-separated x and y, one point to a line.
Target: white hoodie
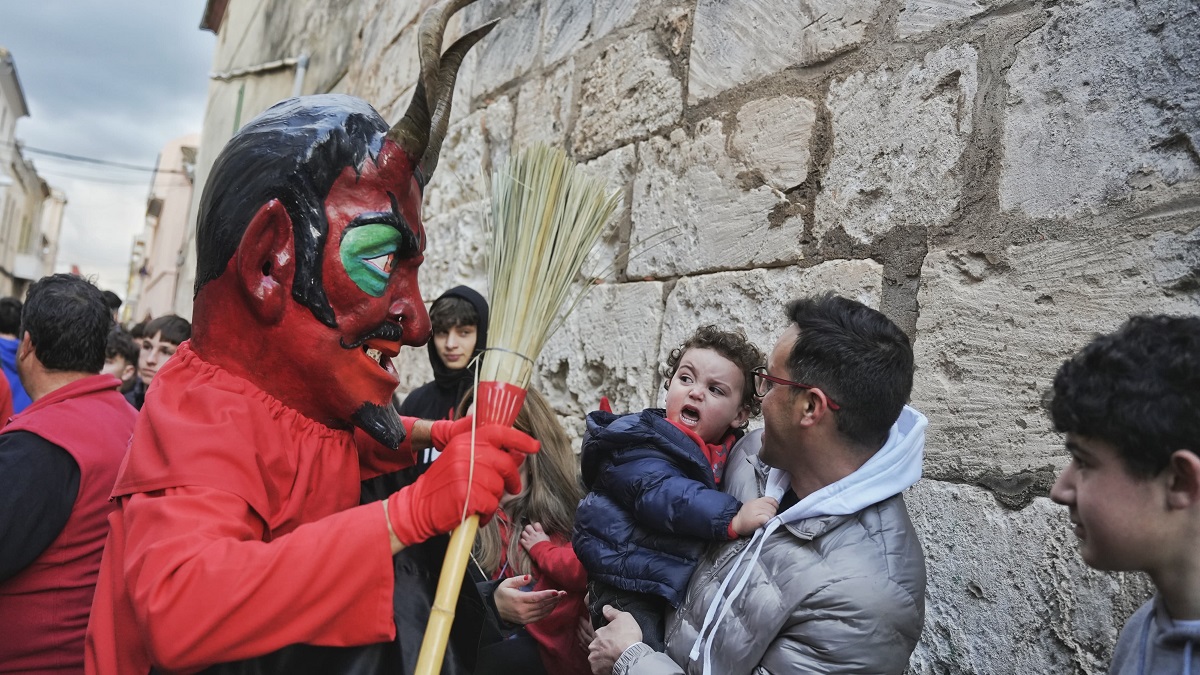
892	469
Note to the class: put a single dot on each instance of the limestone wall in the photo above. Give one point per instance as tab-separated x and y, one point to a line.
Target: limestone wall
1003	178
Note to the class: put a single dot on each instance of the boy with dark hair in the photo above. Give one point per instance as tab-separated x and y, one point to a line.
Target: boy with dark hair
121	357
1129	404
161	338
655	502
460	320
10	327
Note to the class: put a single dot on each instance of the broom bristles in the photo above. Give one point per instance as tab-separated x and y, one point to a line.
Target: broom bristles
546	217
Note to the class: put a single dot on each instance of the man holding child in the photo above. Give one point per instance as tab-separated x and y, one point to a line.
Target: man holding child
835	583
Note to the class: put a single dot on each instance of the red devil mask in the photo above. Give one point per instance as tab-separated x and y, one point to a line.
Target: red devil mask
309	240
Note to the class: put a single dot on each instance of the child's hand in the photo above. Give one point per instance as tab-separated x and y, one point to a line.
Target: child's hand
532	535
753	515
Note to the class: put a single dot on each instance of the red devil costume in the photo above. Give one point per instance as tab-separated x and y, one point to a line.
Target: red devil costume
237	533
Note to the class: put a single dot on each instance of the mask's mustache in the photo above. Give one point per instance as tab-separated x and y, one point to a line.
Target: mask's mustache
389	331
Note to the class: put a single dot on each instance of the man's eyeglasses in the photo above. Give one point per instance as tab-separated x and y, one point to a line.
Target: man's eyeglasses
763	383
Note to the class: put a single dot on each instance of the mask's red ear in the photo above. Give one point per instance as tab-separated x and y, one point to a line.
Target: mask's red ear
266	261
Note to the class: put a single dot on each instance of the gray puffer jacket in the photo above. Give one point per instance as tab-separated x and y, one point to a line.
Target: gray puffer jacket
828	594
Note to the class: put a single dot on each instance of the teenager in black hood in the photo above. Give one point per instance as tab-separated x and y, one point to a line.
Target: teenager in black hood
418	566
460	324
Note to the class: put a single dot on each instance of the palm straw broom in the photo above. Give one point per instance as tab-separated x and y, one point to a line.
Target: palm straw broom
546	216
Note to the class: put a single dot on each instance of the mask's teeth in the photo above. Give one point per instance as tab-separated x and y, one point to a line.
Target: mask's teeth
375	355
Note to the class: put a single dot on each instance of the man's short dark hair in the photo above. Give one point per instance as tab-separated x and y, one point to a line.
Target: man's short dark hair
1137	389
120	343
68	323
452	311
293	152
10	316
859	358
112	300
138	331
175	329
734	346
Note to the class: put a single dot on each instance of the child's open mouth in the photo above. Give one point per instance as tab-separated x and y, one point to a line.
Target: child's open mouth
689	415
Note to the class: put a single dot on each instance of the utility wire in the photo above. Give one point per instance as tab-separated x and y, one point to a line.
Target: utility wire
93	160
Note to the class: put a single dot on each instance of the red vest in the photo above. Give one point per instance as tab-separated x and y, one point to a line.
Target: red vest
44	609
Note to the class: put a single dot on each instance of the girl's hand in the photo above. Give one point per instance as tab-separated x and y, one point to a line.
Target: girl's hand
532	535
518	607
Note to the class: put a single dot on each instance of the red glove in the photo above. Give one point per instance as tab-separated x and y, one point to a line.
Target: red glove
442	431
434	504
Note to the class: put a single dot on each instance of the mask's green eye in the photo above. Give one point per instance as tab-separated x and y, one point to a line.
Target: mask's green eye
368	253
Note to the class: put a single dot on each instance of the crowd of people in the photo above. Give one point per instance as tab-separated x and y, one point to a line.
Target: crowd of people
243	494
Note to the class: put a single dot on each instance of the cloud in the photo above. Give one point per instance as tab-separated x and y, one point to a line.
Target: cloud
114	80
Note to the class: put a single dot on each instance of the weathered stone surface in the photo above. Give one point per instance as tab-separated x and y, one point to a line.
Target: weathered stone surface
413	367
472	148
511	49
455	250
773	136
991	335
735	43
1007	591
381	25
564	25
754	300
609	15
608	257
921	16
627	92
898	136
606	348
1104	91
398	68
544	108
689	215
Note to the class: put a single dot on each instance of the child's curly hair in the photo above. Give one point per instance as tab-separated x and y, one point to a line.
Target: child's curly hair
733	345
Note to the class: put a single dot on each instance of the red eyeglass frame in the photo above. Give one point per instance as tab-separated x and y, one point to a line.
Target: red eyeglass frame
761	372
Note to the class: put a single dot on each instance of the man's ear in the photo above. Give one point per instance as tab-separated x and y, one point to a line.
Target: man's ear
128	372
25	346
1183	485
266	261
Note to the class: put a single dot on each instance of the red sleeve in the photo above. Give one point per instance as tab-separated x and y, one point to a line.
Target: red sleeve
6	406
205	588
560	565
376	459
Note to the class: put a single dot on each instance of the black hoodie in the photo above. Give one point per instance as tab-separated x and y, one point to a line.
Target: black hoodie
437	400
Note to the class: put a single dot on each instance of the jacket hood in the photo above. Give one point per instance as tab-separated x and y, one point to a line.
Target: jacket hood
446	378
892	469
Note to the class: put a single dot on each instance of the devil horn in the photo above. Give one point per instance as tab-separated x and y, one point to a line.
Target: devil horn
428	113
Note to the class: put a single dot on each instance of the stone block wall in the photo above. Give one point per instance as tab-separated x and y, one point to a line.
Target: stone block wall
1003	178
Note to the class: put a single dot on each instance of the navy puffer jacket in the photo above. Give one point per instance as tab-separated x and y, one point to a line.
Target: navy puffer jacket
653	505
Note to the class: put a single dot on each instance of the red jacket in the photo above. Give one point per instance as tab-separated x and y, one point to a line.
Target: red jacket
237	532
44	608
556	567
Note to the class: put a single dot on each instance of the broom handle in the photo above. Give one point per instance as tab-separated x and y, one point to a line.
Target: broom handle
441	617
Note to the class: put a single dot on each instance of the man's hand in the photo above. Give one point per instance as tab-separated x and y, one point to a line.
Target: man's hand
435	503
532	535
612	640
518	607
754	514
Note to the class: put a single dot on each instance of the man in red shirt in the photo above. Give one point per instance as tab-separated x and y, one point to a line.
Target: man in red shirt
238	532
58	462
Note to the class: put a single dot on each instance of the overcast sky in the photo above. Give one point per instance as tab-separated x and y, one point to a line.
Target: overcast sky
114	80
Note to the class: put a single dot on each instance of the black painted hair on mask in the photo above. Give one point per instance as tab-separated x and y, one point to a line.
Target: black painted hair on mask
293	152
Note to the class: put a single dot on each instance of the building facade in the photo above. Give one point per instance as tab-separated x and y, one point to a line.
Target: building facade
31	211
157	254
